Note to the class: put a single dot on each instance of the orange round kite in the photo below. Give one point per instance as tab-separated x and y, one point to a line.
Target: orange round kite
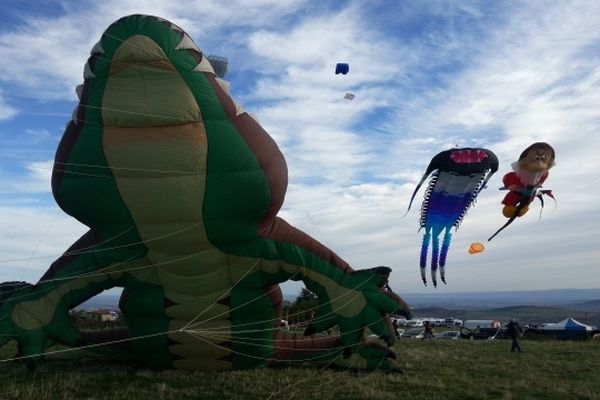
476	248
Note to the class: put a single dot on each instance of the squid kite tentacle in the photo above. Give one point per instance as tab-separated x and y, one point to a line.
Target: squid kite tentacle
423	260
444	254
435	251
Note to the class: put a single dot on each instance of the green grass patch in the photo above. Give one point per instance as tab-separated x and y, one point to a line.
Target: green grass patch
432	370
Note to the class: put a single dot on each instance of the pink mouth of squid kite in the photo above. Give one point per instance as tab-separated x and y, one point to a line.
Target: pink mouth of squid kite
469	156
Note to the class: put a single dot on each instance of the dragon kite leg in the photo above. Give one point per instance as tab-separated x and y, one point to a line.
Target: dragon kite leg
457	177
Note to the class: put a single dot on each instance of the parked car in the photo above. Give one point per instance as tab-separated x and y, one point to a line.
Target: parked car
376	337
414	333
452	322
414	323
448	335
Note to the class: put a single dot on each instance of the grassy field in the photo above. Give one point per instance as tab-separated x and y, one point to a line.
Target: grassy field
432	370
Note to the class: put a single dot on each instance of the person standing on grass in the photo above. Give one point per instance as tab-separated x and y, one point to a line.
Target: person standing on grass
514	332
395	325
428	331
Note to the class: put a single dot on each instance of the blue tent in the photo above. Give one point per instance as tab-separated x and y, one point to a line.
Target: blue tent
568	329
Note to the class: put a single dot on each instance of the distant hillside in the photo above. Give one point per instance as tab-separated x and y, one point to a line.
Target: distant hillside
593	306
101	301
526	314
563	298
526	306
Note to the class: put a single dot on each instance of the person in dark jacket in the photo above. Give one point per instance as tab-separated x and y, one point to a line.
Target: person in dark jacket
428	331
514	332
395	325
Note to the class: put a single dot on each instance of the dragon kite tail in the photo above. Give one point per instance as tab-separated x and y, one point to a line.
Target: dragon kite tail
423	259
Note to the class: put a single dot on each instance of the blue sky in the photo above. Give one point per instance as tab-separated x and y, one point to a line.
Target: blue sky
427	76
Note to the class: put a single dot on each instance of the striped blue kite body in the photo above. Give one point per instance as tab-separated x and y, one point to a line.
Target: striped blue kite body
457	177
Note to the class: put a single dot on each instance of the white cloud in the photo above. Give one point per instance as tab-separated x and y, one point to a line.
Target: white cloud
529	74
47	53
6	111
527	68
39	135
36	180
33	238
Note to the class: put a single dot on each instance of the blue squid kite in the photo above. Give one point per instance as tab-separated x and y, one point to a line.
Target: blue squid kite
457	177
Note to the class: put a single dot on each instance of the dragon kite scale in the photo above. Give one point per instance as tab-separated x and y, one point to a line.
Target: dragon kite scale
457	177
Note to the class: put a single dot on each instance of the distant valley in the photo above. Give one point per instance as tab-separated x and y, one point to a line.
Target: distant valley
528	306
534	307
577	298
535	315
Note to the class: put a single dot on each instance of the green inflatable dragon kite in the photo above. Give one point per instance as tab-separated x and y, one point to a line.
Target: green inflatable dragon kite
180	189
